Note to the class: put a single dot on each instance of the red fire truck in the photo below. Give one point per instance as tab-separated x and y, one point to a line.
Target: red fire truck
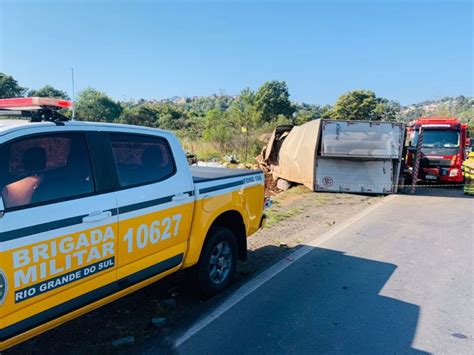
443	148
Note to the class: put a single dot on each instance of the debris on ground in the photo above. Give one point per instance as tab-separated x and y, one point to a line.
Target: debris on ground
231	159
271	188
283	185
191	158
211	164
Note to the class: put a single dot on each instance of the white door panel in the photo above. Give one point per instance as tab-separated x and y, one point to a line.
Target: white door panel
155	205
57	240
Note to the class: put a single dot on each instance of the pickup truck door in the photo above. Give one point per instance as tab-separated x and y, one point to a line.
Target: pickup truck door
57	235
155	203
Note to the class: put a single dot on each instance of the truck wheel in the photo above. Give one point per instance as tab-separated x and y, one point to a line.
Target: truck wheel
218	261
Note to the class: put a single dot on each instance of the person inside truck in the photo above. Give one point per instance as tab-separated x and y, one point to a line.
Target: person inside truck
42	169
21	192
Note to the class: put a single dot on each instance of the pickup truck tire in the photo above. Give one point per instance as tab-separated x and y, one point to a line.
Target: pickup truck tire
218	261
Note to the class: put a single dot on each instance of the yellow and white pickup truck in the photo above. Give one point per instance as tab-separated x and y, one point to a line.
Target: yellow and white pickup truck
90	212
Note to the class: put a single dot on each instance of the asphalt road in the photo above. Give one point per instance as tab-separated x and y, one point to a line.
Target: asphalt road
399	280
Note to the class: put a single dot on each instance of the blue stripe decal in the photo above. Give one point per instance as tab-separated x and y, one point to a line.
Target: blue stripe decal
68	222
221	187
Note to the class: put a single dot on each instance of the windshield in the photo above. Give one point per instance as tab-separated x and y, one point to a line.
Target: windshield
437	138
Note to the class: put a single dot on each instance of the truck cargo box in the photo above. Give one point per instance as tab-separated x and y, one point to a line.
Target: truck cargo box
343	175
360	139
337	155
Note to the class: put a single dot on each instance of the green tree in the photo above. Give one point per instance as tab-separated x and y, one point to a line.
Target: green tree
247	96
243	112
355	105
218	129
282	120
48	91
170	116
93	105
467	116
326	112
166	121
273	99
387	110
245	120
306	112
365	106
141	115
9	87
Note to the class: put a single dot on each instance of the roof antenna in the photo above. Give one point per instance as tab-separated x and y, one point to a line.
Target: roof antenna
73	99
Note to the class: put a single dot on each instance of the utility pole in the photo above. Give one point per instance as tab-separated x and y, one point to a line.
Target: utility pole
245	130
73	98
246	143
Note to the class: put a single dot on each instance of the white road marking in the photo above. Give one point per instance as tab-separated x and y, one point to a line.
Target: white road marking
271	272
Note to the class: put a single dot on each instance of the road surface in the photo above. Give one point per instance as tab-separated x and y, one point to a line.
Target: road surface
398	280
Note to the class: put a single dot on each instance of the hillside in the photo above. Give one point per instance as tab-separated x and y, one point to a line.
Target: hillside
460	106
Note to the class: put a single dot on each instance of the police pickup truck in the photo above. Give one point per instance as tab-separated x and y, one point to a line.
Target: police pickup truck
90	212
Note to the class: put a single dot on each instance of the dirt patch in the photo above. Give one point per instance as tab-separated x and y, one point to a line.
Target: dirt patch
291	213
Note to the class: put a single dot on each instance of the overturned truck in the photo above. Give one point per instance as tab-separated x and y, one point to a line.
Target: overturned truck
338	156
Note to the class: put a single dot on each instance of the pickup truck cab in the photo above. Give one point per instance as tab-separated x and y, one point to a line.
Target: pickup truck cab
90	212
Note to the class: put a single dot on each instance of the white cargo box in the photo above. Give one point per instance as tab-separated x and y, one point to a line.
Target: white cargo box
360	139
341	175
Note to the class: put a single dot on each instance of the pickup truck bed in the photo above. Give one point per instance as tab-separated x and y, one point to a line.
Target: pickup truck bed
205	174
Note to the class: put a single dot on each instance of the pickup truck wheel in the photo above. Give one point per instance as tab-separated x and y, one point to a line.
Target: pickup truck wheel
218	261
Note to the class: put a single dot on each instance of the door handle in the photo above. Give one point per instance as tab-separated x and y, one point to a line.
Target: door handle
97	216
180	197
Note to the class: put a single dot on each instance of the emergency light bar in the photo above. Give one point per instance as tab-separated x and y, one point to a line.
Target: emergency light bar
37	108
33	104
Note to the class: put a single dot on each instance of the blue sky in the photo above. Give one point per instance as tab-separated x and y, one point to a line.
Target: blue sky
403	50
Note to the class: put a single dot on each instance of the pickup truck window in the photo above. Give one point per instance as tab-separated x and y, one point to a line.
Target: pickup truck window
141	159
45	168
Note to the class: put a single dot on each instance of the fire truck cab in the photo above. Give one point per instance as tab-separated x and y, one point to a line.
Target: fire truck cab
443	149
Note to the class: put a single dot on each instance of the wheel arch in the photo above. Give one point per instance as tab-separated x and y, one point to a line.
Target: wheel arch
233	220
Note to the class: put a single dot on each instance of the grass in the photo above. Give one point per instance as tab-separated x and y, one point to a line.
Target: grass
275	217
278	212
205	151
299	190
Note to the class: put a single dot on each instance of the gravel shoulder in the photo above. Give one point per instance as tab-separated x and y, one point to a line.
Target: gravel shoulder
289	217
